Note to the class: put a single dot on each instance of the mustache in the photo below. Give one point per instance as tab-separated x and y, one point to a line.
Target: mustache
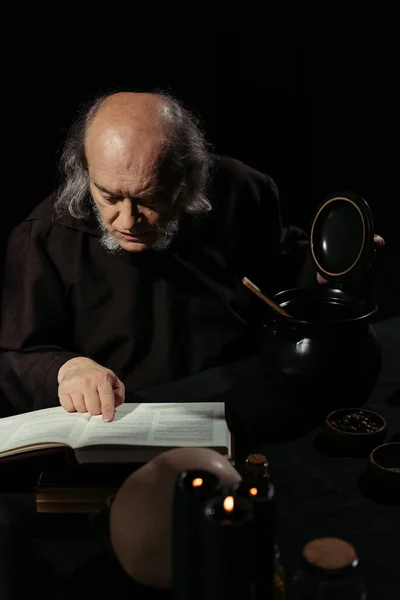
165	234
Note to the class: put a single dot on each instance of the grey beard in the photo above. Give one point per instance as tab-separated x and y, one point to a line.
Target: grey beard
111	244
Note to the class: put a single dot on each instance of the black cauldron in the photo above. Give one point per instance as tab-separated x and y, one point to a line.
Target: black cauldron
328	355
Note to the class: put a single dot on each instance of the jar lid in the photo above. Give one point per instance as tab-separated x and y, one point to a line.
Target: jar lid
257	464
342	237
330	554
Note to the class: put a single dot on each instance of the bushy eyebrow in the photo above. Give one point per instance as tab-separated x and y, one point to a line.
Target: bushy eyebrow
140	196
104	190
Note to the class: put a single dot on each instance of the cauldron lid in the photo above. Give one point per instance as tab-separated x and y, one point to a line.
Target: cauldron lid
342	236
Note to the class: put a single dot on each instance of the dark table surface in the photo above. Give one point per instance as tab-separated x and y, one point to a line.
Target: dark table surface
317	495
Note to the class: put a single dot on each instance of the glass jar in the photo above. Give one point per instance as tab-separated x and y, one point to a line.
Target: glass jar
330	570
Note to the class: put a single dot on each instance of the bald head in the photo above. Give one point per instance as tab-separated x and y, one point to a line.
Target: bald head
132	104
129	113
127	135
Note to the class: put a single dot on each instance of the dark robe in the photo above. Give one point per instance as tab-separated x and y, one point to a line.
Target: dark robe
151	317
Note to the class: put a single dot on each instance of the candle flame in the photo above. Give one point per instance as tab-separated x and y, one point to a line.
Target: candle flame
197	482
229	504
253	491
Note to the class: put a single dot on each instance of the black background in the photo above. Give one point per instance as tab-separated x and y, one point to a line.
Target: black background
302	90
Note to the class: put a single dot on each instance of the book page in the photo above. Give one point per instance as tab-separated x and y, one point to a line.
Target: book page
194	424
8	426
41	428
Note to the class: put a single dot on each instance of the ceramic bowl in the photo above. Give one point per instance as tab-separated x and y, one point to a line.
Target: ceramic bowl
355	429
384	465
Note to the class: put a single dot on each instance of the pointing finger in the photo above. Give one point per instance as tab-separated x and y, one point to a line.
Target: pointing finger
107	400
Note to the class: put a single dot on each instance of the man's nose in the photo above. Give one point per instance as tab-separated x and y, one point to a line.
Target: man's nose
129	214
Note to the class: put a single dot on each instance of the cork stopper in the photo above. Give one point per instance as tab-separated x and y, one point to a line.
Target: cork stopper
330	554
257	464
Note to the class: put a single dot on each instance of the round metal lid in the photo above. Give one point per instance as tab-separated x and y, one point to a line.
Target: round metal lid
342	237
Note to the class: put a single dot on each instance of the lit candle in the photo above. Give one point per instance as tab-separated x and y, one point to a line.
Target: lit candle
193	488
262	498
227	531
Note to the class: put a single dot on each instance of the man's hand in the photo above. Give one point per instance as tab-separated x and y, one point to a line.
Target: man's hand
86	386
379	243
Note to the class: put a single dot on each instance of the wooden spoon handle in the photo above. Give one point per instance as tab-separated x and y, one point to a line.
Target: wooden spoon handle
267	300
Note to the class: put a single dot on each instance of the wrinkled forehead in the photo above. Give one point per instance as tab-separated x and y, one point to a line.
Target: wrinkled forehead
124	150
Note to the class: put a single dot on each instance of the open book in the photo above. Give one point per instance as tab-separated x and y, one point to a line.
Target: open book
138	433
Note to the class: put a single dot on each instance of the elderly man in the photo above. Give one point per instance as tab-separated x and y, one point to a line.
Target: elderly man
131	273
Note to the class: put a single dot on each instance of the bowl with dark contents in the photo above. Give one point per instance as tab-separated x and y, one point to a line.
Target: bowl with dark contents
355	429
384	465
